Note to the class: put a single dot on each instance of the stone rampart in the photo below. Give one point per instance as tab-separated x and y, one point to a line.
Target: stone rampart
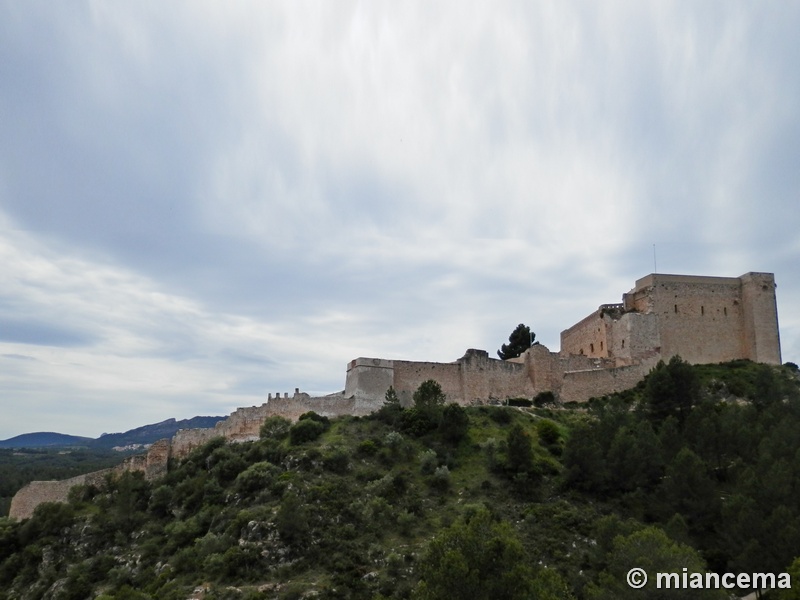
35	493
702	319
579	386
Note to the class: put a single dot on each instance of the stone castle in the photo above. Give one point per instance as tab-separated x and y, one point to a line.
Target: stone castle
701	319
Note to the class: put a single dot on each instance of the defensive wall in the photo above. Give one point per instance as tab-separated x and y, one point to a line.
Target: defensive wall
702	319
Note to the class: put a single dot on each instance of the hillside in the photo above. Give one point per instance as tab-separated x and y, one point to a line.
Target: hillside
45	439
696	467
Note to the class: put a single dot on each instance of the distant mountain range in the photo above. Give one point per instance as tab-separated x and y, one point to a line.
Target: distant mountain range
141	435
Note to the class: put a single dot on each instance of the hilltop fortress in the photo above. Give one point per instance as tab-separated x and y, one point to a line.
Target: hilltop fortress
701	319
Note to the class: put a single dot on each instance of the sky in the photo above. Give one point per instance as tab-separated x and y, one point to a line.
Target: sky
202	202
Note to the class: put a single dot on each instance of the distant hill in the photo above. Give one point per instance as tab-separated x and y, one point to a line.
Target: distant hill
44	439
151	433
141	435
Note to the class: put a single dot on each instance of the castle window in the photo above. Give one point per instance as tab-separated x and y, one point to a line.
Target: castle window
676	309
601	346
591	347
623	343
725	310
702	310
581	351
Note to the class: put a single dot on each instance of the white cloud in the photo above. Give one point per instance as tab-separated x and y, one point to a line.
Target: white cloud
203	187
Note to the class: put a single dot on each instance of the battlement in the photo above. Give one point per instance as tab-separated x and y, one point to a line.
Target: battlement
702	319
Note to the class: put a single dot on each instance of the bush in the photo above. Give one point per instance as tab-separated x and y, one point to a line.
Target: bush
441	478
306	430
336	461
275	427
548	432
543	399
519	402
367	448
416	422
454	424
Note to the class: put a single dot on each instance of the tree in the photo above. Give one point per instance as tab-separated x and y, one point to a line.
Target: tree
520	452
519	341
475	559
454	424
649	549
429	397
671	389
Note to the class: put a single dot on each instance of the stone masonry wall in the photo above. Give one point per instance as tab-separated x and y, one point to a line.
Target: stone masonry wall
579	386
761	333
408	376
487	379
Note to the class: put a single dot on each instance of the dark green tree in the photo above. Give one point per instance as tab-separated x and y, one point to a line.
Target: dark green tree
429	397
519	341
672	389
454	424
649	549
520	451
476	559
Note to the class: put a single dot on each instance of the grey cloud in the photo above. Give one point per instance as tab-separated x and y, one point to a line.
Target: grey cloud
42	334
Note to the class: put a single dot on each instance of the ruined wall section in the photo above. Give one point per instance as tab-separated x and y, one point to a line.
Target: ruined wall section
38	492
488	379
635	337
186	440
761	337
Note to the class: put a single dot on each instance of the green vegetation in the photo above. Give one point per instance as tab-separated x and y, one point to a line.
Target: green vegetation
19	467
439	501
519	341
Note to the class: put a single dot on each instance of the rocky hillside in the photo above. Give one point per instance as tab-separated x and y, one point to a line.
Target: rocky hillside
696	468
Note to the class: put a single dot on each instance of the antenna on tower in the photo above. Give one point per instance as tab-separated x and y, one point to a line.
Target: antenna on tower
655	266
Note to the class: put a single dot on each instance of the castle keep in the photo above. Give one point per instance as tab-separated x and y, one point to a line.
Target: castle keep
701	319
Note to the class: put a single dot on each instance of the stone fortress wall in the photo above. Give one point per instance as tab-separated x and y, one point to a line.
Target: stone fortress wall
702	319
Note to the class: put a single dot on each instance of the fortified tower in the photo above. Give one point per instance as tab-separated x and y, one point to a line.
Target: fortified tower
701	319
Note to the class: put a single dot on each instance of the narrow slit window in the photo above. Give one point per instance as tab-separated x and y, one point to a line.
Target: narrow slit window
623	343
702	310
591	347
676	309
725	310
601	346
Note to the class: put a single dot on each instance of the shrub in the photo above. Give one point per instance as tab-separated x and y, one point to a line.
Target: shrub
336	461
428	461
416	422
543	399
454	424
367	448
306	430
519	402
441	478
275	427
548	432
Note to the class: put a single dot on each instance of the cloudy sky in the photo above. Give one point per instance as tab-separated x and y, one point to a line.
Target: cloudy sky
203	202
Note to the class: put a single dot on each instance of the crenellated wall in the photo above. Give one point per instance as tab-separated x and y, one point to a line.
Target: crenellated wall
702	319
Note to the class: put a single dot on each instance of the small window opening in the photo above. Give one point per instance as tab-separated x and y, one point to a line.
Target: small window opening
725	310
581	351
676	309
601	346
702	310
623	343
591	347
